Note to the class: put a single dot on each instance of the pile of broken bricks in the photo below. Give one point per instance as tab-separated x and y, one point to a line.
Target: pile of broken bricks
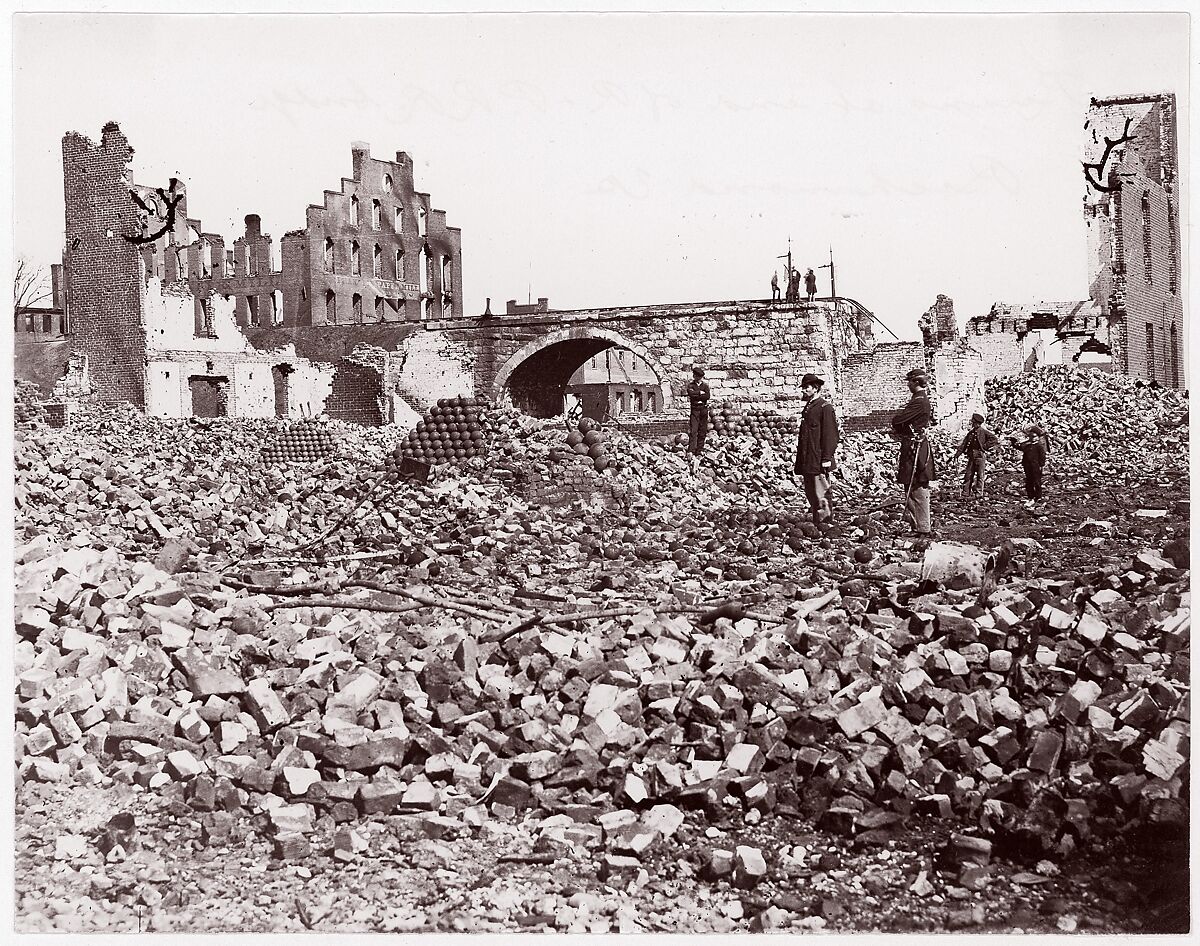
1055	714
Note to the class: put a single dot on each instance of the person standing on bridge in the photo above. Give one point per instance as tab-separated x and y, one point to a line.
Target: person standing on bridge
793	286
909	426
698	394
815	447
810	285
775	286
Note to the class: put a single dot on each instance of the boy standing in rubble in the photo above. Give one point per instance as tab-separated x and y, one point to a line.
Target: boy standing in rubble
1033	460
976	444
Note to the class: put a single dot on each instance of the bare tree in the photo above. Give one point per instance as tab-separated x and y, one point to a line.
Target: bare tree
1095	172
29	286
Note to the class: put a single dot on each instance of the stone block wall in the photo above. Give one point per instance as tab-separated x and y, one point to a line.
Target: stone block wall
752	352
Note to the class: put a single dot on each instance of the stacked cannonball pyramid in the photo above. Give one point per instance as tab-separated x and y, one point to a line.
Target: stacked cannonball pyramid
452	431
587	440
724	418
303	442
730	420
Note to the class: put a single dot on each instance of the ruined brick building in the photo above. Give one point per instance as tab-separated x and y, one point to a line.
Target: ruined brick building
361	315
171	320
1132	321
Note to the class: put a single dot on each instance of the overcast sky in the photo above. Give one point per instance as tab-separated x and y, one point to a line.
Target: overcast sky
623	159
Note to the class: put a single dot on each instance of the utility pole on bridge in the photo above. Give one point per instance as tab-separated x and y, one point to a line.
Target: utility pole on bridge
832	274
788	257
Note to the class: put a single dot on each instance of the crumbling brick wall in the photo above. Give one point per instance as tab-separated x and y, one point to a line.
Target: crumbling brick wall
874	385
1131	209
107	272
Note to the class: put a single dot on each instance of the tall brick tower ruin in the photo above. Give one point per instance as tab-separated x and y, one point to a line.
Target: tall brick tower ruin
106	269
1131	160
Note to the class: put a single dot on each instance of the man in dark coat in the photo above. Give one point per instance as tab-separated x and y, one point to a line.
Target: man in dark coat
793	286
698	395
815	447
976	444
775	287
909	426
810	285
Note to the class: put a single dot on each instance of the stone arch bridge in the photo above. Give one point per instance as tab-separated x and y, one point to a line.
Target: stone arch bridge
753	352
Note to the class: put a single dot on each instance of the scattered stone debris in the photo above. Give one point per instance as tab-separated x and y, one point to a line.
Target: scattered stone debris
295	657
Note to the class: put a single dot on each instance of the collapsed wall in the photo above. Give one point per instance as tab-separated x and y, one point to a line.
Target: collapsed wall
167	319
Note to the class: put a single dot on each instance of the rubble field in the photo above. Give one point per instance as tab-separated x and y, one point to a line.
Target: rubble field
499	674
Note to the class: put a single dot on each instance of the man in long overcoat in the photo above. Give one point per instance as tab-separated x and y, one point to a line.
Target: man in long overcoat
909	426
698	394
815	448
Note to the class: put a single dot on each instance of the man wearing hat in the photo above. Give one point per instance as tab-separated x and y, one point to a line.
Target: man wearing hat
815	447
698	395
909	426
978	441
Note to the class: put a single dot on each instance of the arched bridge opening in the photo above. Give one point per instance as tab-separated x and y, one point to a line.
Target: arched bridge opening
538	376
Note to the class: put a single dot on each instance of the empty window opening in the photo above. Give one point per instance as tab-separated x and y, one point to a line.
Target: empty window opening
328	255
1174	356
210	396
252	302
355	262
181	267
1173	246
354	211
377	262
276	307
281	377
379	308
398	222
205	328
423	270
376	215
399	271
331	307
421	222
1147	263
356	307
303	294
205	262
229	269
387	182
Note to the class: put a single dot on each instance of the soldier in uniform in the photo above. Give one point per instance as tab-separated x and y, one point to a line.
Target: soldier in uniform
916	469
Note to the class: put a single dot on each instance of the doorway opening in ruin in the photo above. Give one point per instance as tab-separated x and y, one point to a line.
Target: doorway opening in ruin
281	375
210	396
605	374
